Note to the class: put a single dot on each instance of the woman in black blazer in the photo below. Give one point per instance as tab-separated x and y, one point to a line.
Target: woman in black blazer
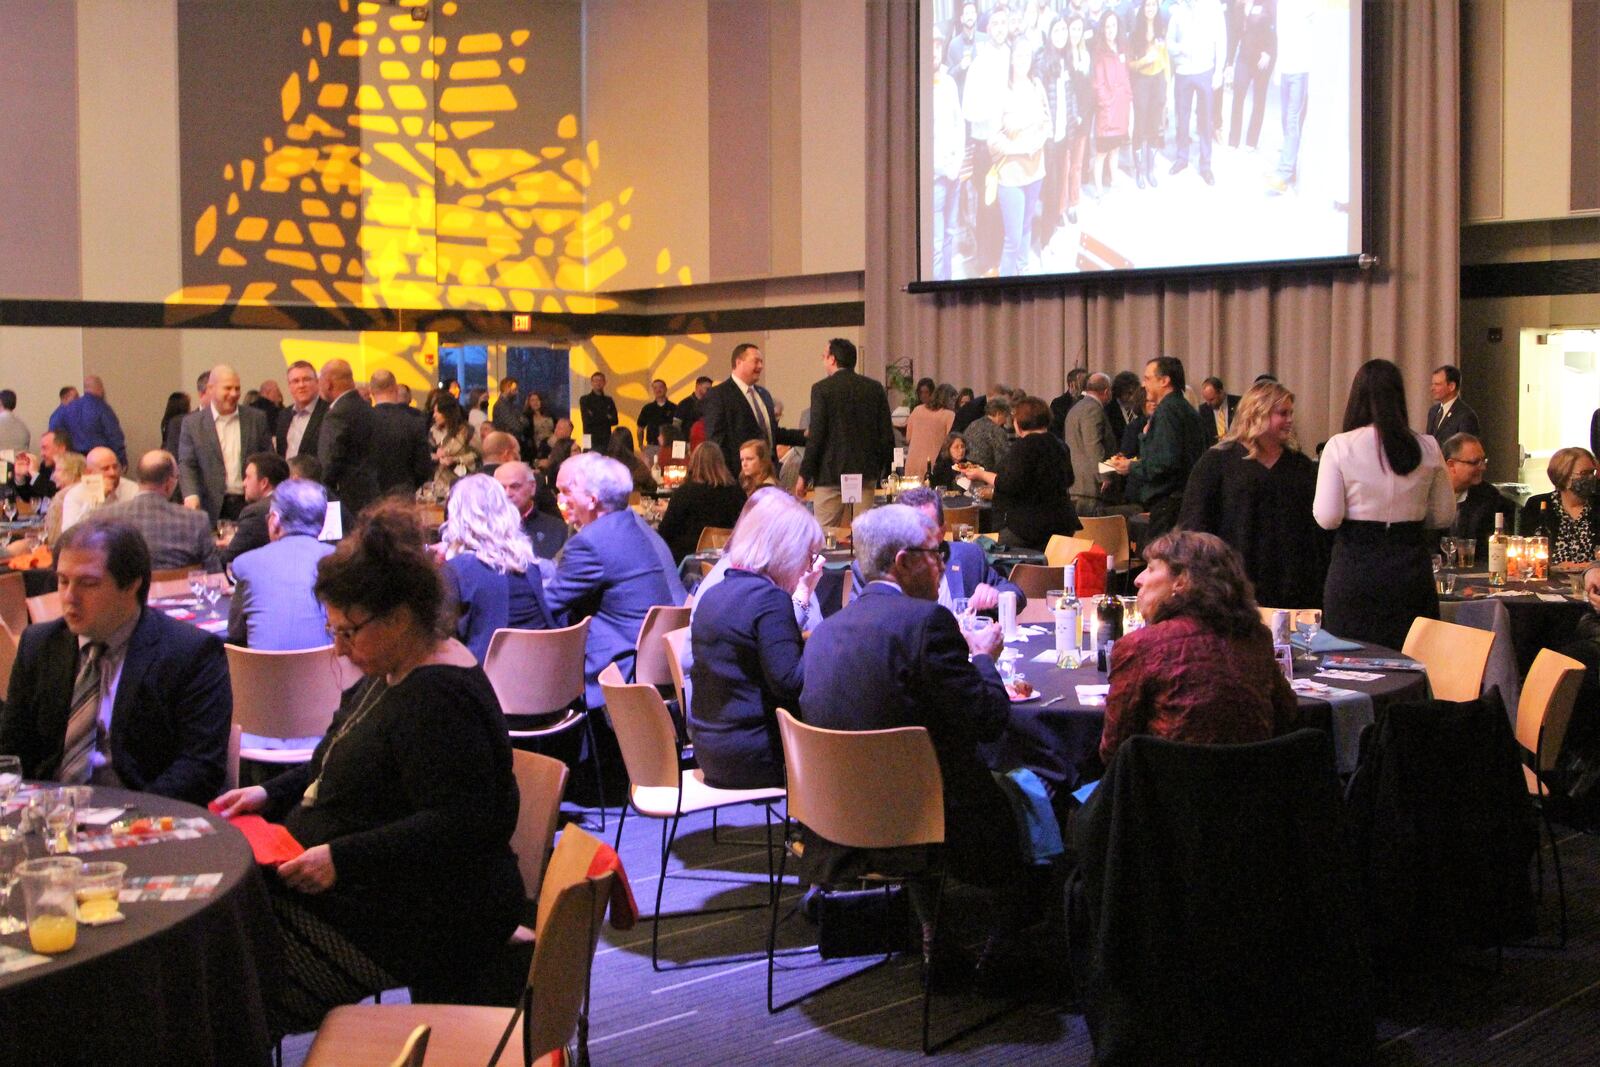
746	644
1031	486
708	497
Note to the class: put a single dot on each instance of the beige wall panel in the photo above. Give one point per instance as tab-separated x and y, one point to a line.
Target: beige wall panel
1483	114
37	362
787	54
1538	109
645	106
139	368
833	135
128	151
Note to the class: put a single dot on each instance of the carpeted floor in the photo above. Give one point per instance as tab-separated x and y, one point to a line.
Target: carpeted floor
1542	1008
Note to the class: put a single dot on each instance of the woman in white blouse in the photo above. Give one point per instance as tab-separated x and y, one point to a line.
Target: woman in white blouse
1379	486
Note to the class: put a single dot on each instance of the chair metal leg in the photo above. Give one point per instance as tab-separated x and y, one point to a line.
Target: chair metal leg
621	819
599	780
1561	888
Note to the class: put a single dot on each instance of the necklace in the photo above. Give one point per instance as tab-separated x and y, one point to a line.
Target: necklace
369	700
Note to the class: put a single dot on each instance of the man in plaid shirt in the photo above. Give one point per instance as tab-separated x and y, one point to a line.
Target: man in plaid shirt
177	536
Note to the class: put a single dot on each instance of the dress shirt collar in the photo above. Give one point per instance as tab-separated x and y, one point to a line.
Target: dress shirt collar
117	643
218	416
1446	405
304	411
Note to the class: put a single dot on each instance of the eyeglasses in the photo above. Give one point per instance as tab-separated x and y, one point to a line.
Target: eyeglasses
942	550
348	633
1482	461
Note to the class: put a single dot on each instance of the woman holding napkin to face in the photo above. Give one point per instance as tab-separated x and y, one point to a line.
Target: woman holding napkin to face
407	806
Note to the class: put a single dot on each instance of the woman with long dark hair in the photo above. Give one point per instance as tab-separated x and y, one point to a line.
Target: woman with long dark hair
1379	485
1113	98
1064	122
1148	67
1080	70
172	420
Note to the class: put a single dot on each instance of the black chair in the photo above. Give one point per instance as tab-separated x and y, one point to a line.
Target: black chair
1213	919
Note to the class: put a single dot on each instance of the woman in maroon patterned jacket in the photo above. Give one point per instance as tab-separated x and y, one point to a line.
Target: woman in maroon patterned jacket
1202	669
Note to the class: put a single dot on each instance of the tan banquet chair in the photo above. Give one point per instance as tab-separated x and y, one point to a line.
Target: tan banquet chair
712	537
541	783
550	1010
1454	656
865	789
538	677
8	657
650	655
1061	550
953	517
46	607
1543	714
1110	532
660	788
13	602
281	696
1035	580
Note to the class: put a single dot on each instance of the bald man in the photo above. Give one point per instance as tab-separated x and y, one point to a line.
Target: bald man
547	532
401	457
214	444
344	445
102	483
90	422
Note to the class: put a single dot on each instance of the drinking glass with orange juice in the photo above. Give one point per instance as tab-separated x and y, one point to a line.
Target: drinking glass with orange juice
49	890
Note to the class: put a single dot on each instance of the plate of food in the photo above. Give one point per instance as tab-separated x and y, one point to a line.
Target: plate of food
1020	690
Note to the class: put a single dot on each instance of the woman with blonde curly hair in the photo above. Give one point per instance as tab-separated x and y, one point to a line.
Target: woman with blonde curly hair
1254	490
489	564
1202	670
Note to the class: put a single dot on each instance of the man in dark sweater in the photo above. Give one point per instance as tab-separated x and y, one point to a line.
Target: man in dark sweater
1476	503
1170	448
599	413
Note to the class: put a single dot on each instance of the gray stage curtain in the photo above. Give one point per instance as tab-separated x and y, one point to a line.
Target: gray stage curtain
1311	329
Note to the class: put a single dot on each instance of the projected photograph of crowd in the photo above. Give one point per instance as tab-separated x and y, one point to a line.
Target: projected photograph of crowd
1082	135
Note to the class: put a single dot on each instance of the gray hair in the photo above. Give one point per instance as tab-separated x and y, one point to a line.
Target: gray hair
1454	445
998	405
1098	382
880	535
301	506
608	481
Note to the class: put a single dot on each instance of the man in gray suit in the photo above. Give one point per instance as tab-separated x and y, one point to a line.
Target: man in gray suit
274	605
214	444
177	537
1090	442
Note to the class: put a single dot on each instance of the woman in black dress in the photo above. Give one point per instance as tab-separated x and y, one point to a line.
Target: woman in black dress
1566	514
708	497
407	806
1031	486
1254	490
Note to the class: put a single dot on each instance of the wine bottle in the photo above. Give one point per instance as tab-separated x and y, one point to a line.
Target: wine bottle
1499	544
1067	613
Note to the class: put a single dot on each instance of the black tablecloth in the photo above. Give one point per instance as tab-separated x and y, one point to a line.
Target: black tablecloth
1061	741
1535	623
177	983
213	618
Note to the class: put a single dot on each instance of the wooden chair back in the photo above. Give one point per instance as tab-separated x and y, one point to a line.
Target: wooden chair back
864	788
712	537
283	694
13	602
8	657
1545	708
1036	579
677	641
541	783
650	660
415	1049
1110	532
46	607
535	672
1454	656
954	517
1061	550
644	730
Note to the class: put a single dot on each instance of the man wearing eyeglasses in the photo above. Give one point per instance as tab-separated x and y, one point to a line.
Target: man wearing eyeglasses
967	573
1476	501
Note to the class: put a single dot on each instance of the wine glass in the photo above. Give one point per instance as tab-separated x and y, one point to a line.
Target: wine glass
11	508
13	850
197	584
10	778
1309	623
60	819
1447	546
213	588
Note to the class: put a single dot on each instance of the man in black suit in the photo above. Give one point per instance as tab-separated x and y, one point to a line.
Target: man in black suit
851	433
689	412
974	409
1449	414
893	657
739	410
1217	406
1062	404
36	481
213	444
401	458
299	425
1126	402
599	414
522	485
269	401
263	473
1476	502
112	692
345	444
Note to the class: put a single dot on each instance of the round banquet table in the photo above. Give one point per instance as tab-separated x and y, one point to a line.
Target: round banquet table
212	618
1060	741
179	982
1540	614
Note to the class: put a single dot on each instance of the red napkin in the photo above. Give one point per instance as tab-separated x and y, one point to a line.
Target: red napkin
624	911
1090	572
38	558
271	843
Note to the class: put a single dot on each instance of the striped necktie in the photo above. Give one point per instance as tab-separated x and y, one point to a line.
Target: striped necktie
761	412
83	723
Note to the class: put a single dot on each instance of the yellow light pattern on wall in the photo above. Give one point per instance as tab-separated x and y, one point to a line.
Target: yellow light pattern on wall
448	215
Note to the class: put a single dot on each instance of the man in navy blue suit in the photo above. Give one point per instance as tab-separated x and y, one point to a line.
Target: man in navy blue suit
112	692
967	572
893	657
613	570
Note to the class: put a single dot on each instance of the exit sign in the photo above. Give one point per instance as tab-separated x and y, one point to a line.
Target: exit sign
521	323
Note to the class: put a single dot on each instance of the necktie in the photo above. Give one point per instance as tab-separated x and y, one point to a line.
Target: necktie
83	722
761	412
1222	422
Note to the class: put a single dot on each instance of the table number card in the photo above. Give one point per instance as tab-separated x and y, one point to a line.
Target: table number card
680	449
850	488
16	959
583	443
900	459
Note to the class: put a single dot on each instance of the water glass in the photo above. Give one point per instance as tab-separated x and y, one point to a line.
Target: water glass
961	606
197	584
13	850
1467	552
1053	598
10	778
60	818
1447	584
50	897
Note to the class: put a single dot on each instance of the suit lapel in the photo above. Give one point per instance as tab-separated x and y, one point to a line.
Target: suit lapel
134	665
213	439
58	672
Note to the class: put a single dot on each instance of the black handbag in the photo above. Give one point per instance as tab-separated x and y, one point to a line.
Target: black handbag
864	922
